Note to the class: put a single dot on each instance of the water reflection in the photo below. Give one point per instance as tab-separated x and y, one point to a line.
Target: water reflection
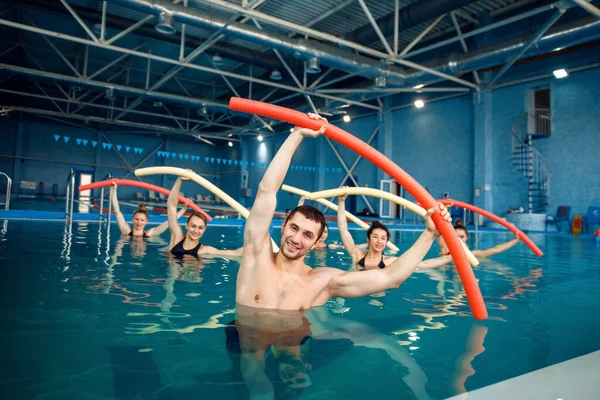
453	301
327	326
275	352
464	367
284	334
4	227
67	241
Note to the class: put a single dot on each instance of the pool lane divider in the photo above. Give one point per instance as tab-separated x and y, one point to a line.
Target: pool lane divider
386	196
455	203
334	207
184	173
446	229
144	185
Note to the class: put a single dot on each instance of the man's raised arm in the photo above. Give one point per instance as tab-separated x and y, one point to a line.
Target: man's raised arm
256	233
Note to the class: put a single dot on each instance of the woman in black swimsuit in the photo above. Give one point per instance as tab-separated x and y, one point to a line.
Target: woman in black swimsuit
140	219
189	244
377	238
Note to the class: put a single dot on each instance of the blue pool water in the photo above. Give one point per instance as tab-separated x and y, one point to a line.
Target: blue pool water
87	315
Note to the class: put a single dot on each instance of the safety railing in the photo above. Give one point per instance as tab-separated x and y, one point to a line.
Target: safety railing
70	196
8	190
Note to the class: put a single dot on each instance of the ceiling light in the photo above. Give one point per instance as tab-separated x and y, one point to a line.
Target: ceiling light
276	75
217	60
230	144
419	103
346	118
230	135
560	73
419	86
291	130
157	104
164	24
312	67
260	138
202	111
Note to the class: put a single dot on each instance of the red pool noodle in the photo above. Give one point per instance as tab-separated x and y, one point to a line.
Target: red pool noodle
333	132
144	185
495	218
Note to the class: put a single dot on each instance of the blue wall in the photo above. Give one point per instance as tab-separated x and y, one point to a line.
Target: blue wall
434	145
572	149
509	188
31	153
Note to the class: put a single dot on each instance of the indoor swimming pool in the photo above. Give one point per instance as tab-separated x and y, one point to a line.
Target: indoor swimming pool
88	314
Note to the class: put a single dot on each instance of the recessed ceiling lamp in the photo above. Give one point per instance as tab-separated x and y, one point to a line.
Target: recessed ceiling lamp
276	75
217	60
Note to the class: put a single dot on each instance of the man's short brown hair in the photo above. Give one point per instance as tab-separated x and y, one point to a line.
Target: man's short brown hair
310	213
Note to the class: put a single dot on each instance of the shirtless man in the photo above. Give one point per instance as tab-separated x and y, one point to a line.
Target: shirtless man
282	280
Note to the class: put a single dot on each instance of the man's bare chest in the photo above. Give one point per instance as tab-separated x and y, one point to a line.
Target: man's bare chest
284	291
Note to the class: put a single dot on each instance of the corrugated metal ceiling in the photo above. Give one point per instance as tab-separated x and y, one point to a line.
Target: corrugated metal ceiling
303	12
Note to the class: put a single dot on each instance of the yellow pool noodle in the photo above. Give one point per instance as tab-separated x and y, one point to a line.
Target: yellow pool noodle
184	173
386	196
334	207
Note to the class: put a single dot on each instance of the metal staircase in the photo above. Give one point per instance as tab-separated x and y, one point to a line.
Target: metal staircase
529	161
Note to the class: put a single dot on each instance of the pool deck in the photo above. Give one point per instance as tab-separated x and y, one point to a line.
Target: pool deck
573	379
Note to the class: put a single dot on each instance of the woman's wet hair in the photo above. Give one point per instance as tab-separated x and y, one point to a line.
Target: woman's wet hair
311	213
377	225
199	215
141	210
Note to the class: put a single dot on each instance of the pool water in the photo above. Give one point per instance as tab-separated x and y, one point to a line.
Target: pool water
87	314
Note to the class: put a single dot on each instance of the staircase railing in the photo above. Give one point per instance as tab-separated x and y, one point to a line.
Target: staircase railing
532	164
540	122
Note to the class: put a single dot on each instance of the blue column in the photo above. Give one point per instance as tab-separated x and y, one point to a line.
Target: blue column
243	171
164	178
321	162
483	164
383	141
98	174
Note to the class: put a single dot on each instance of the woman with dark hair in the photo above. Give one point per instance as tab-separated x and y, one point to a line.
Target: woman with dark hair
463	234
189	243
377	238
139	220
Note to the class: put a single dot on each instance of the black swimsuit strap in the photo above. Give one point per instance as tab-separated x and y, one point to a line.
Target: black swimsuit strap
144	235
381	264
